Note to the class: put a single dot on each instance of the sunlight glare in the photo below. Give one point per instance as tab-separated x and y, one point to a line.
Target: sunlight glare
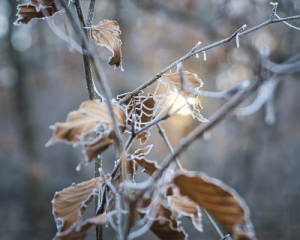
180	102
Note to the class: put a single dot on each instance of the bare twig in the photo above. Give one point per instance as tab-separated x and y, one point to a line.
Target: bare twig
102	79
91	10
196	47
161	131
213	223
190	54
86	60
223	94
273	13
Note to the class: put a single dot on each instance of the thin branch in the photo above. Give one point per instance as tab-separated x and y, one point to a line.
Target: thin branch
90	87
223	94
190	54
213	223
102	79
91	11
86	60
164	136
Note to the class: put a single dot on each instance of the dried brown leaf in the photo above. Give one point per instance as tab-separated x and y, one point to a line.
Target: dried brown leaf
182	206
27	12
79	230
107	34
139	156
174	81
164	226
85	119
219	200
69	204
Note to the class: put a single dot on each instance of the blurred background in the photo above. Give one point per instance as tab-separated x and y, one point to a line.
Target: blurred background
42	80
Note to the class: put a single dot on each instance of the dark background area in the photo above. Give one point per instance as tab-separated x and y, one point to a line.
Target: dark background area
42	80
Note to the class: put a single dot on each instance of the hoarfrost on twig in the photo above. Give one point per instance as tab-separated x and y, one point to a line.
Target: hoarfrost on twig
237	35
273	13
290	25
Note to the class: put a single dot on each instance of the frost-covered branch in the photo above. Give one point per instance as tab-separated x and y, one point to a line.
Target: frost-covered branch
239	33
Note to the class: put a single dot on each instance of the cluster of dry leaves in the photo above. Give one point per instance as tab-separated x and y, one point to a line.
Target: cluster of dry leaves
176	194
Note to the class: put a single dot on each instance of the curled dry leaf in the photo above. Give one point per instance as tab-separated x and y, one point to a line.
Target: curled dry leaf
37	9
139	157
219	200
69	204
79	230
141	109
107	34
163	226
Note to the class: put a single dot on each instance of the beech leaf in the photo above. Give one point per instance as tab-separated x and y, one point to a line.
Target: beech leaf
163	226
107	34
69	204
220	201
86	118
37	9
